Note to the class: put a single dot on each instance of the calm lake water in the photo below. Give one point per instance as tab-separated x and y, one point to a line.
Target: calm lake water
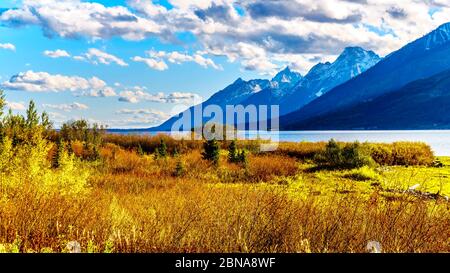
439	140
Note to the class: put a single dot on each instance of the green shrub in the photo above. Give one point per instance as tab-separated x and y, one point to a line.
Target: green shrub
356	155
235	155
350	156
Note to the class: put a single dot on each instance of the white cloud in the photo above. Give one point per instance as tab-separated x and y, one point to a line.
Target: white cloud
176	97
147	7
79	58
31	81
179	58
8	46
152	63
67	107
139	118
15	105
97	56
57	117
59	53
269	33
93	55
145	115
73	18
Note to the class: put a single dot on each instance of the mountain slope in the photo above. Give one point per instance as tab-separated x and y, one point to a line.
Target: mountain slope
237	92
420	59
423	104
319	80
288	88
279	87
233	94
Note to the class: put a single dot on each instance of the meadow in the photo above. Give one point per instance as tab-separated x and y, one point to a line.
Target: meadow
114	193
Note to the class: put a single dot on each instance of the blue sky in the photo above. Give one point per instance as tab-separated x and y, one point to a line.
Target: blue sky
134	63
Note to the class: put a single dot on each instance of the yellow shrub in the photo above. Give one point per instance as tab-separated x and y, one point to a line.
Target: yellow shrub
27	166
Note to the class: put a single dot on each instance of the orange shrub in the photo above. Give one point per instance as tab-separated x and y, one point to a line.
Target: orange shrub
402	153
267	167
301	150
77	148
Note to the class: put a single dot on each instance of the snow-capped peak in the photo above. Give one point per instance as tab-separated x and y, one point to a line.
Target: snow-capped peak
286	76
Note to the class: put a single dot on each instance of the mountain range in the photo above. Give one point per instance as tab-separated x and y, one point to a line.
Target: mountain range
407	89
288	88
420	59
422	104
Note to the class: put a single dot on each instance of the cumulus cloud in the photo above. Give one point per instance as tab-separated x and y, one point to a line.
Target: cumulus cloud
59	53
8	46
31	81
272	30
152	63
93	55
97	56
67	107
176	97
143	116
180	57
288	9
74	19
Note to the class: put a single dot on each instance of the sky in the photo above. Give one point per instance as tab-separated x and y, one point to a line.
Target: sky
134	63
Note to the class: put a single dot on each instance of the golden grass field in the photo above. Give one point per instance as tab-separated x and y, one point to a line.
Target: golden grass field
131	201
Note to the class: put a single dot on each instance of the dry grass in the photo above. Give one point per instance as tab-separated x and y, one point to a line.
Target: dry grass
193	217
135	203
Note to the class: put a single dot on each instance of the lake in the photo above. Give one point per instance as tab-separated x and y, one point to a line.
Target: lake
439	140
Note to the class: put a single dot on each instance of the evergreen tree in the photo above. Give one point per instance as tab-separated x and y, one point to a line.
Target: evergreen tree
2	102
175	152
60	149
242	157
161	151
179	169
232	152
32	118
211	151
2	106
45	121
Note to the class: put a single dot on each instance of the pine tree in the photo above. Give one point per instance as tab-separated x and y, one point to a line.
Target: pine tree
175	152
232	152
60	149
2	102
45	121
32	119
242	157
161	151
2	106
179	169
211	151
